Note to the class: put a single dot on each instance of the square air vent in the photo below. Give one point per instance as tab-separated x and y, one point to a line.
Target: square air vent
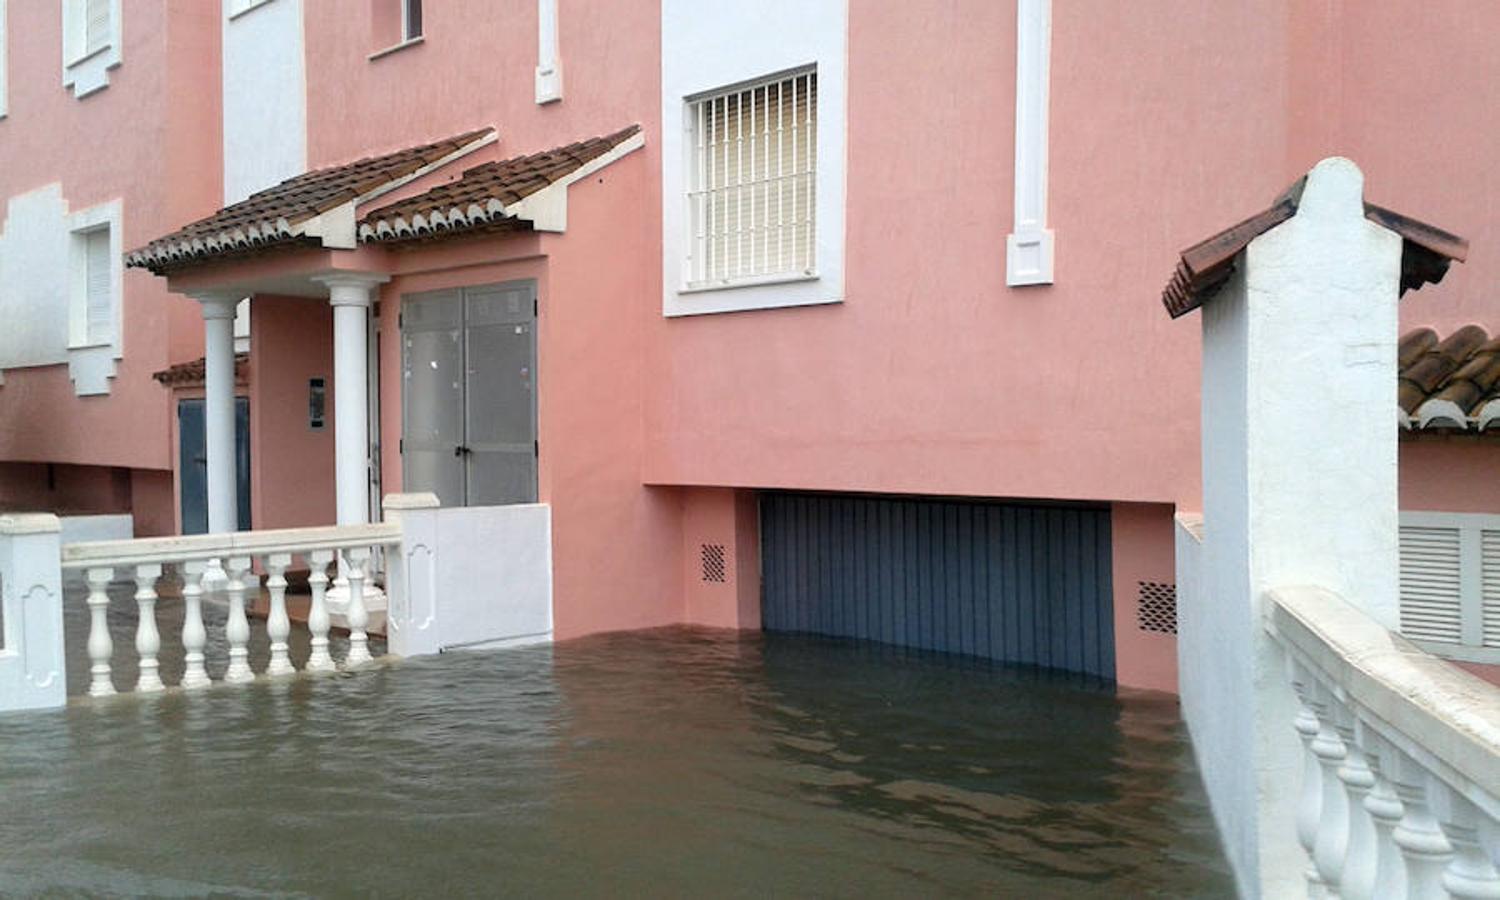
1156	607
714	569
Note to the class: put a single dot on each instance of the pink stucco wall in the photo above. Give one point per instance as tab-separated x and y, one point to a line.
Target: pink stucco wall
291	465
1451	473
1141	534
730	519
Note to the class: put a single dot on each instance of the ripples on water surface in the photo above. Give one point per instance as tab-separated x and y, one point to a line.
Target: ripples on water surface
673	762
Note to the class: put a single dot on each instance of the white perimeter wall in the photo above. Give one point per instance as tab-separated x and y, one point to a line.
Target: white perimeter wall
706	46
265	97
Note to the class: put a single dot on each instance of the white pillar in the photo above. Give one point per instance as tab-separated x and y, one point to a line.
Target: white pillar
218	410
351	296
32	668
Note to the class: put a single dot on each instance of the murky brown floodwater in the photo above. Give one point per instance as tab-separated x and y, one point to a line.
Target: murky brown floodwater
665	763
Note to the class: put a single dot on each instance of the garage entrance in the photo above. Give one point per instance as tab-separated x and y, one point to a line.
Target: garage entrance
1016	583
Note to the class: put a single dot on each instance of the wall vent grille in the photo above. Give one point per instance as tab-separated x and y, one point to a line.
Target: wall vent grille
1156	607
714	569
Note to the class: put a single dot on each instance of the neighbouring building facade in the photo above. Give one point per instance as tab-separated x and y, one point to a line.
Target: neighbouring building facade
837	317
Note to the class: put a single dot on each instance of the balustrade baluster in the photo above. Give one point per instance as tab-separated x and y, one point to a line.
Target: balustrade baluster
101	646
278	626
237	629
147	638
1311	803
194	635
1385	812
317	613
359	651
1333	816
1471	875
1357	877
1423	846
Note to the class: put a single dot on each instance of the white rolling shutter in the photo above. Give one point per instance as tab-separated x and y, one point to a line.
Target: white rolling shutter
1431	572
98	287
96	25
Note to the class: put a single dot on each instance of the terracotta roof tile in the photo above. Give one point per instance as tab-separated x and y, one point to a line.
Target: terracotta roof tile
274	214
482	199
1204	268
1453	383
190	373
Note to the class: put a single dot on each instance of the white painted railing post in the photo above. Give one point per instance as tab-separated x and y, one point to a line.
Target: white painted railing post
1422	843
359	651
147	638
1311	803
194	635
1385	812
101	646
317	613
237	629
1472	874
1357	877
32	662
1333	819
278	626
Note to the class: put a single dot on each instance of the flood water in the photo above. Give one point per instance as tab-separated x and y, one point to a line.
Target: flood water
664	763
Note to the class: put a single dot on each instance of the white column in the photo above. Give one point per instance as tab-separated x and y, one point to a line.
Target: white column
218	410
351	296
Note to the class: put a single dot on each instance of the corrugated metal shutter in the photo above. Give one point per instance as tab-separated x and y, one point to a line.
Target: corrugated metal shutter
98	287
1489	582
1431	607
1014	583
96	25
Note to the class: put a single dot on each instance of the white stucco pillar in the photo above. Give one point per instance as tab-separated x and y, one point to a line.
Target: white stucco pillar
218	410
351	295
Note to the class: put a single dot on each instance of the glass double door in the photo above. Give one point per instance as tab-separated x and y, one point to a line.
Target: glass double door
468	394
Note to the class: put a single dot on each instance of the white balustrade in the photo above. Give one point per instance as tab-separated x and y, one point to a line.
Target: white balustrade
146	559
1401	780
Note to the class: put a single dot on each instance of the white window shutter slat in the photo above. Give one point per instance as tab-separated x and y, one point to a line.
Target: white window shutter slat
96	25
1431	590
1489	585
98	287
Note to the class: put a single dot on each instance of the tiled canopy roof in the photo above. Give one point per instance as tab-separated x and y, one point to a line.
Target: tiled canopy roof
1204	267
490	197
281	213
1450	383
186	373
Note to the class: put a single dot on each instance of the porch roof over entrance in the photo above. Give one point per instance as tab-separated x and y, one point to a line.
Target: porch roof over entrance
315	207
498	196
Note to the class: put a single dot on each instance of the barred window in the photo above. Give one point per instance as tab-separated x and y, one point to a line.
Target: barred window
752	178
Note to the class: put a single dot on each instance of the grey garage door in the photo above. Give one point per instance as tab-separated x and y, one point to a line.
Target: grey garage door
1014	583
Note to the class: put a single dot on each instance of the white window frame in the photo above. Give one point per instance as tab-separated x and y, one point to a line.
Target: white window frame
85	71
549	78
406	32
735	43
233	9
1471	527
80	225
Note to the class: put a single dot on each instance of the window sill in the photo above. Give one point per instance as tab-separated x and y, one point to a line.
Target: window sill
257	4
395	48
91	345
747	283
88	56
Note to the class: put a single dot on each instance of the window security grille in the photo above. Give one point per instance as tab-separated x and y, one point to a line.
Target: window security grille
98	287
752	181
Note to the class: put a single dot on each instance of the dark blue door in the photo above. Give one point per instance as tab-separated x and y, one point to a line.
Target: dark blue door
193	463
1010	582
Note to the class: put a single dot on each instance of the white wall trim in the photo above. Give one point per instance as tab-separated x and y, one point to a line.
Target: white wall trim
1029	247
549	76
706	48
87	73
264	95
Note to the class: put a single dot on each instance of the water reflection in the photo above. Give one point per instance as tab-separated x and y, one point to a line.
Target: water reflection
659	763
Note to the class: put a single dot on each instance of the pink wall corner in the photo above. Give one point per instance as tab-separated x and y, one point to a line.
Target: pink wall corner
720	539
1458	473
292	467
1142	537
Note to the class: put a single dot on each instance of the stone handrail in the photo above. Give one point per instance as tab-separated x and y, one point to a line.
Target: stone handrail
1401	779
142	561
